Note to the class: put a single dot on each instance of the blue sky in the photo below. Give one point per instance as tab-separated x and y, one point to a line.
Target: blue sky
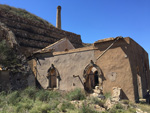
95	19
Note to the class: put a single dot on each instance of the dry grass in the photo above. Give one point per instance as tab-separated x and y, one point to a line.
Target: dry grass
144	107
23	13
32	100
86	44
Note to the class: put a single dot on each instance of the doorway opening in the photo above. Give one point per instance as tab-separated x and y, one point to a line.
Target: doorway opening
96	78
92	77
52	77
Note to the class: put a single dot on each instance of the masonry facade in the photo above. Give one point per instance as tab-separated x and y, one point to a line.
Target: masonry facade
113	62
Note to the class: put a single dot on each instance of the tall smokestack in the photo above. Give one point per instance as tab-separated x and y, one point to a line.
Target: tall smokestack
58	18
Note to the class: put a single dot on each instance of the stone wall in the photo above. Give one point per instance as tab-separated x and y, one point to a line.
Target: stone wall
116	67
140	69
67	65
125	65
35	35
119	67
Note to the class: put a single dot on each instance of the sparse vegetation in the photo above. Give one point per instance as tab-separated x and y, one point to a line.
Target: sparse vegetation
7	56
32	100
95	100
76	94
67	105
29	100
23	13
86	44
144	107
87	109
107	95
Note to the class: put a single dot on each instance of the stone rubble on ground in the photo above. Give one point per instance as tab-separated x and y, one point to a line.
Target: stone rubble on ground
110	102
116	97
139	111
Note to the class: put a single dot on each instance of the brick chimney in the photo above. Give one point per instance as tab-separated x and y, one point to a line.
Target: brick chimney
58	18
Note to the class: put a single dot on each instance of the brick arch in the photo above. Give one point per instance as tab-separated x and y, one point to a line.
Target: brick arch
91	65
90	69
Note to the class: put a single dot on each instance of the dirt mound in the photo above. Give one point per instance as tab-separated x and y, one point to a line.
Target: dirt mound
33	33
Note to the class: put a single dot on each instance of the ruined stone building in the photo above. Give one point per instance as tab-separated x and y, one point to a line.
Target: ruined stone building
113	62
59	61
27	33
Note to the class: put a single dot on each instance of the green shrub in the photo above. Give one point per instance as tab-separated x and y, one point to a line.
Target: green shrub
107	95
30	92
8	57
3	93
76	94
41	108
118	108
3	100
132	110
95	100
54	94
86	109
14	98
44	95
113	110
24	105
53	104
44	107
54	111
66	105
8	109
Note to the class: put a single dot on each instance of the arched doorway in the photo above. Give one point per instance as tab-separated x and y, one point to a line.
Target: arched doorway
92	77
52	76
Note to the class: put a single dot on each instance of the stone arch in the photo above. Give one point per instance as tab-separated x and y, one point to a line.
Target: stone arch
53	78
92	77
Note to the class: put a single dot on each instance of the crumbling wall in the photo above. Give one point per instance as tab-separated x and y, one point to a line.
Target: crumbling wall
32	35
115	66
140	69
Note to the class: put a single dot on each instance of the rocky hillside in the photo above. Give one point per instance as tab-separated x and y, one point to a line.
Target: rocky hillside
31	32
19	74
